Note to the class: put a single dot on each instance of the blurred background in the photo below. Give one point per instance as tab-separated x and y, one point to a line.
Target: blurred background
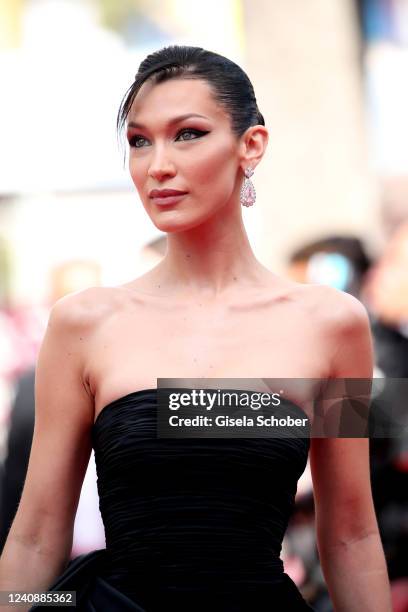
331	78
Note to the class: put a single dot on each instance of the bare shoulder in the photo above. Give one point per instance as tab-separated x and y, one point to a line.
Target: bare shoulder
341	314
83	309
345	324
332	305
335	311
342	325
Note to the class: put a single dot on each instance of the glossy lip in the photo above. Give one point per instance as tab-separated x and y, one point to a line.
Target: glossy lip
167	200
165	197
164	193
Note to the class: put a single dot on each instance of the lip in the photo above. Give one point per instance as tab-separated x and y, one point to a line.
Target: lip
165	197
165	193
167	200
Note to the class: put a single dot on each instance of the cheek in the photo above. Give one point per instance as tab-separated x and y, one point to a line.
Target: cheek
213	169
136	172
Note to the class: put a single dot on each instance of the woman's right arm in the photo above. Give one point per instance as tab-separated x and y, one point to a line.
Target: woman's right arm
39	543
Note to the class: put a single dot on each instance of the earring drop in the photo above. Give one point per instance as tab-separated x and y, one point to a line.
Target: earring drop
248	193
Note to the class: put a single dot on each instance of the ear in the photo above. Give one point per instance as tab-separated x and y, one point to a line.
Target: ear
253	146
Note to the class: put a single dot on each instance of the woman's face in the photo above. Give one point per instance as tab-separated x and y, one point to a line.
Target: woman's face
180	139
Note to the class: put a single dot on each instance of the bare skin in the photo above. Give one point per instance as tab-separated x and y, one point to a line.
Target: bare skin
209	309
153	336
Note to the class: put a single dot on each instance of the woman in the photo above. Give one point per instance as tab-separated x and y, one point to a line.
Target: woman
189	526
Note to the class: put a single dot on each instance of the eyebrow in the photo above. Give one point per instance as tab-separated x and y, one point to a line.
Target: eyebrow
133	124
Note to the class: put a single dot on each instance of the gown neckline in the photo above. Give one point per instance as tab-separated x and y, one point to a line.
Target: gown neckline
108	406
123	397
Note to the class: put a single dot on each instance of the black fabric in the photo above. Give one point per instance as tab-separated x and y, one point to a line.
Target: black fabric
190	524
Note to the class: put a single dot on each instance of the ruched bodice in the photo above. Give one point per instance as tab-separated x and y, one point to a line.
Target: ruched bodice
191	524
194	522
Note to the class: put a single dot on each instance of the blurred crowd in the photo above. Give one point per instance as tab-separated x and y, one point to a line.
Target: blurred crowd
341	261
382	285
23	329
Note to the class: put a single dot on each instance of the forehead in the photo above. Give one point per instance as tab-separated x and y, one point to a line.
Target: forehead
177	96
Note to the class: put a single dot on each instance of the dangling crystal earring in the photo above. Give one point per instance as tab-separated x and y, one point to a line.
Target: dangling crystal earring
248	194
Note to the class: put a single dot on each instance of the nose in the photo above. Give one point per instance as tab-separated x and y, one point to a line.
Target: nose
161	167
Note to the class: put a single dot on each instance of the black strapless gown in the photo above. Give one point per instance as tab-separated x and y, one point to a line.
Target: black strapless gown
191	524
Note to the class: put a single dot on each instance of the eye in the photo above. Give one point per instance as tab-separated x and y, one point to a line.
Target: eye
135	141
189	131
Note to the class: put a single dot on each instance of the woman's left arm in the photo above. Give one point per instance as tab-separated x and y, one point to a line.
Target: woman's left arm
349	544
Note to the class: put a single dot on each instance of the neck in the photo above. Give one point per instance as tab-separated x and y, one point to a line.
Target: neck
211	259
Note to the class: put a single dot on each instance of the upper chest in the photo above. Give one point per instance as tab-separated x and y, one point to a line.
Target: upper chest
142	341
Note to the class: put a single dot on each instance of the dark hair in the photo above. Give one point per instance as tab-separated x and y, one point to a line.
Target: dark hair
230	84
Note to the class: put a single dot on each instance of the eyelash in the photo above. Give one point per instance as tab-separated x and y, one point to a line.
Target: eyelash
198	133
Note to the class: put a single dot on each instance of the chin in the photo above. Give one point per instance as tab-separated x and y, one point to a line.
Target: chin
176	220
172	226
